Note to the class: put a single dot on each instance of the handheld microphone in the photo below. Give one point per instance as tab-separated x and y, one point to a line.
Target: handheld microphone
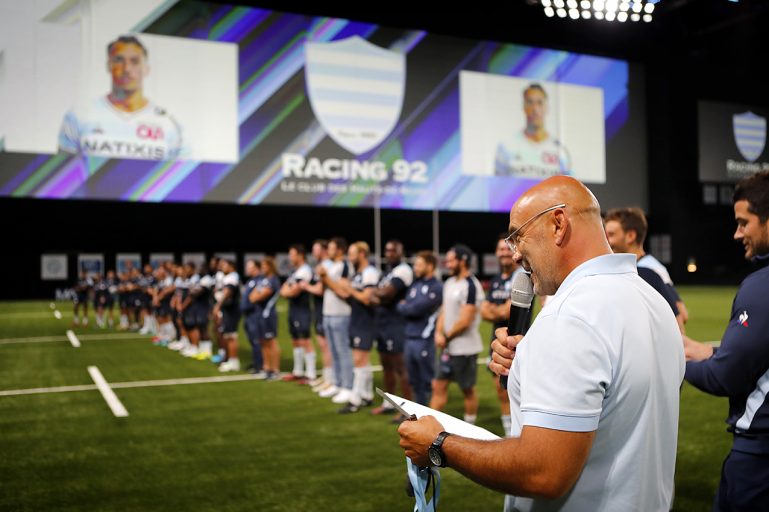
521	295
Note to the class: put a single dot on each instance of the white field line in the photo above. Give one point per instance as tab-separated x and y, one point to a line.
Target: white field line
82	337
37	391
140	384
73	339
114	403
26	314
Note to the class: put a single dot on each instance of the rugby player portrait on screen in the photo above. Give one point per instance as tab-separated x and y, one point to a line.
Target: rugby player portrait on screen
124	123
532	152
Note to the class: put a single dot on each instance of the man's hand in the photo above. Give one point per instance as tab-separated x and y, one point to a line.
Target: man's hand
440	340
503	351
416	438
696	351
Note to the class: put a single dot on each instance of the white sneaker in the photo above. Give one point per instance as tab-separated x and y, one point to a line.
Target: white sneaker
229	366
144	331
190	351
342	397
320	386
329	391
176	345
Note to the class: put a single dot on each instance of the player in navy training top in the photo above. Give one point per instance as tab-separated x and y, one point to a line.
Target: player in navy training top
251	322
420	307
739	367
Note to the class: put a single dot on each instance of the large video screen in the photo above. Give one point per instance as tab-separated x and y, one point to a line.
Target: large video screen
732	141
188	101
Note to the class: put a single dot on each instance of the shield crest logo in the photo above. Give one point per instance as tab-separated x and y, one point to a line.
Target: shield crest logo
749	134
356	90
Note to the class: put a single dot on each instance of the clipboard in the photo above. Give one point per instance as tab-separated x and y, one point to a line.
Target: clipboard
398	407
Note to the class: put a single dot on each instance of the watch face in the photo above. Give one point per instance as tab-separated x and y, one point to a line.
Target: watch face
435	456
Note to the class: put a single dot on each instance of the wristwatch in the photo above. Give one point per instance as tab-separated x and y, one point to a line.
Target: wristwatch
435	452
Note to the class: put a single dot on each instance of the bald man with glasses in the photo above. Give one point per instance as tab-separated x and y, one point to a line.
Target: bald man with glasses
594	384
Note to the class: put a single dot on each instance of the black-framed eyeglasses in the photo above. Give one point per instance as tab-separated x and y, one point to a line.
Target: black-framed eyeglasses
512	238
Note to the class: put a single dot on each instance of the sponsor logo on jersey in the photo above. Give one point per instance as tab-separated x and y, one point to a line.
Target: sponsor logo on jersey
145	131
744	318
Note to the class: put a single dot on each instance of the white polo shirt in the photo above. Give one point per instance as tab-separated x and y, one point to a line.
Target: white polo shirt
333	305
457	293
605	355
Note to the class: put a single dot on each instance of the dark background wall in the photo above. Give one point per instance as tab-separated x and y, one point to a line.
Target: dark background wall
693	50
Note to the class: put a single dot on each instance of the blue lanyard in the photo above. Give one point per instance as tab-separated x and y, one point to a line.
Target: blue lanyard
420	481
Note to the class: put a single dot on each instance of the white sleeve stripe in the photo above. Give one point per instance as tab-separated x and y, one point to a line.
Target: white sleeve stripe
560	421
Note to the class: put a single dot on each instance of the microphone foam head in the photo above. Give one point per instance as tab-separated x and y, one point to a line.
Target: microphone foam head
522	291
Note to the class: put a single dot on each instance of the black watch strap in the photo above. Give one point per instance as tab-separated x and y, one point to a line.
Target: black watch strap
438	445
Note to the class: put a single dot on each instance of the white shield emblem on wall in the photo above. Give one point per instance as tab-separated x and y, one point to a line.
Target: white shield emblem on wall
749	134
356	90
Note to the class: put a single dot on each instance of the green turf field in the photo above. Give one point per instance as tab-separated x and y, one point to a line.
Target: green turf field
243	445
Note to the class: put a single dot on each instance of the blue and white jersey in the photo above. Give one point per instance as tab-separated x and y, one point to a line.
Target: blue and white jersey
400	277
739	368
231	282
522	157
97	128
168	282
112	286
267	306
301	302
202	290
182	287
100	289
82	286
420	307
361	315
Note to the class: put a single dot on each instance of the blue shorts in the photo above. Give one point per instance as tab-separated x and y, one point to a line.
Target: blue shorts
268	327
389	346
230	320
391	337
361	340
299	324
195	317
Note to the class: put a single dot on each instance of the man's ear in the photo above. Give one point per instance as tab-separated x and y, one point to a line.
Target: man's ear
560	225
